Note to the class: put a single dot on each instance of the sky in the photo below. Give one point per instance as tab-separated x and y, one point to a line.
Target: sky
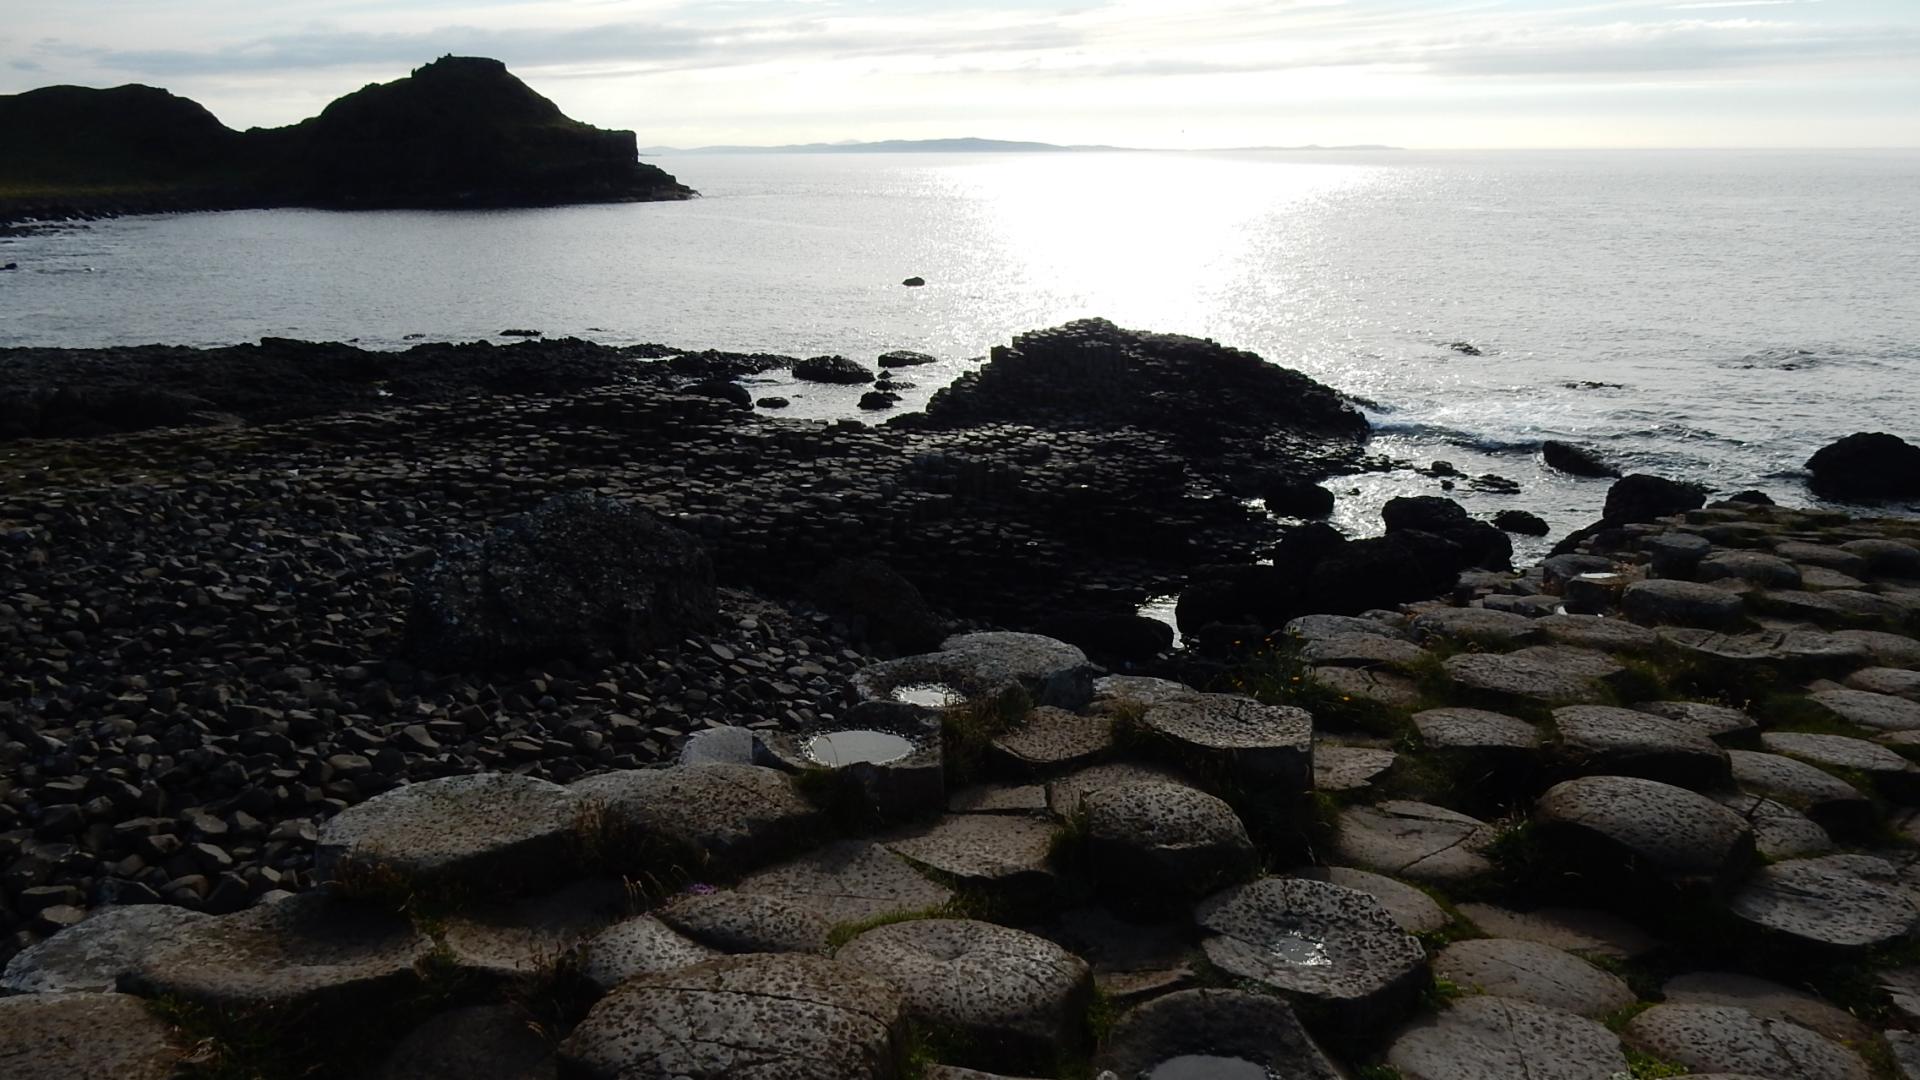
1198	73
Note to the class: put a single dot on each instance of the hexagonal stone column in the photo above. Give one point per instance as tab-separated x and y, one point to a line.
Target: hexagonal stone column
1483	1037
1264	746
499	830
1624	742
1014	998
789	1015
718	820
1413	840
1532	972
1165	839
1835	905
1723	1039
1611	827
73	1036
1333	950
1213	1033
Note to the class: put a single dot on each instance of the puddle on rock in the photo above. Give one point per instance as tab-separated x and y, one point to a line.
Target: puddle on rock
837	748
1207	1067
930	694
1300	950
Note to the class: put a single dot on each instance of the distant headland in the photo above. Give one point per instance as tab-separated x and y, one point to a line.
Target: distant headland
969	145
459	132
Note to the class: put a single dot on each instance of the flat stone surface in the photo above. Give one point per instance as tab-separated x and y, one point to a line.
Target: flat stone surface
1720	1038
1065	795
481	1042
1229	1024
1767	1000
1362	650
527	936
302	950
1415	911
998	799
1138	690
1474	729
1481	1038
1053	740
642	945
850	881
1712	721
1886	558
1266	744
496	829
993	850
1623	742
1318	942
1413	840
1596	632
82	1037
1825	798
1530	971
1767	571
1894	682
785	1016
1891	650
1476	625
1837	752
727	818
1822	555
1165	838
1338	767
1579	930
1132	959
1671	829
1383	688
1316	627
92	955
1806	651
1543	674
734	922
1779	831
1883	712
1014	993
1833	606
1665	602
1833	903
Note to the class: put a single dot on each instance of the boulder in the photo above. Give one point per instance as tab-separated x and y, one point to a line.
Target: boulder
831	369
90	956
1893	775
877	400
499	830
887	606
1720	1038
1330	947
1575	460
576	574
1160	838
1866	465
60	1036
1384	572
904	358
1289	498
715	820
1597	632
1013	997
1881	712
1640	497
1532	972
786	1016
1208	1032
1480	1038
1521	523
725	390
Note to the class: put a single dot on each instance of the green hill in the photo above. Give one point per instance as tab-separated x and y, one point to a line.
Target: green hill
461	131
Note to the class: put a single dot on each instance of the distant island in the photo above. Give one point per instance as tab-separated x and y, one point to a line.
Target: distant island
459	132
965	146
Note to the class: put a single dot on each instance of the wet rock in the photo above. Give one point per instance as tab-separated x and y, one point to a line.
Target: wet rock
851	881
1319	943
1767	1000
60	1036
722	819
1718	1038
1597	822
1214	1024
1575	460
785	1015
1543	674
747	923
1666	602
307	950
831	369
1834	904
893	767
904	358
493	829
1532	972
1602	739
1165	839
1266	745
1521	523
1015	997
642	945
479	1042
575	574
1483	1037
1866	465
1413	840
1290	499
1640	497
91	956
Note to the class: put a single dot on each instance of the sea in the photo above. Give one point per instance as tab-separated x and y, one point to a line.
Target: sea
1705	315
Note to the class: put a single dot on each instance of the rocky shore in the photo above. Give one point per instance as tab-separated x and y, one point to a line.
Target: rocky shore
542	711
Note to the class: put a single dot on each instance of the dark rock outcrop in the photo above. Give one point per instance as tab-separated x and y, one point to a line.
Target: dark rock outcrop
1641	497
1866	465
832	369
574	575
887	606
1521	523
1575	460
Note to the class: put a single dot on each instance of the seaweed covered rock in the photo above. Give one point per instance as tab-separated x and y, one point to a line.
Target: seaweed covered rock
575	575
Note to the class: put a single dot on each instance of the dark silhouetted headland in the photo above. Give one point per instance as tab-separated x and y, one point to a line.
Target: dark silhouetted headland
459	132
